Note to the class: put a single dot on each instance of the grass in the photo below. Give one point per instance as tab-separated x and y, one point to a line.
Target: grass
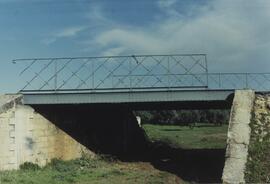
200	137
85	171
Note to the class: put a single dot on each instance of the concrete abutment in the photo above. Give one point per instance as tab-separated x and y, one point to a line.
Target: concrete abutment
27	136
40	133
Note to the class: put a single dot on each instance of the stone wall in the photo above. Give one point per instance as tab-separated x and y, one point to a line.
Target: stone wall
27	136
258	165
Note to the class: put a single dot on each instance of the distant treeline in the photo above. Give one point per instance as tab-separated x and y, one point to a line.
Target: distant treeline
184	117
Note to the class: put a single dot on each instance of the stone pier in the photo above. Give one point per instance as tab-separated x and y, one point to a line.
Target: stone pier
238	137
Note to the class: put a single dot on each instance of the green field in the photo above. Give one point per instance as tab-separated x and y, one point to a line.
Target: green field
102	170
202	136
85	171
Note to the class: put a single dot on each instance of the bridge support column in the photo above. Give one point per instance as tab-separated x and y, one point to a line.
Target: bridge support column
238	137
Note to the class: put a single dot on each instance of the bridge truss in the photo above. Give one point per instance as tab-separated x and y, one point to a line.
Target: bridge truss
131	73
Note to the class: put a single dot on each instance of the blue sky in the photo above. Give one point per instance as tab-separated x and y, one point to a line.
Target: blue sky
235	34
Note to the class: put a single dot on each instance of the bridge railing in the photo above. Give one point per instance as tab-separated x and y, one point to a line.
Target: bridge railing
115	73
256	81
130	73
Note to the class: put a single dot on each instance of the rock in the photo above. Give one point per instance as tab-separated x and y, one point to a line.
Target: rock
267	119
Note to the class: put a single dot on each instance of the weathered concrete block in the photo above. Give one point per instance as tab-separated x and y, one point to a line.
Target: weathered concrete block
12	121
38	134
237	151
235	168
12	160
11	140
12	147
238	137
4	153
239	133
12	133
241	115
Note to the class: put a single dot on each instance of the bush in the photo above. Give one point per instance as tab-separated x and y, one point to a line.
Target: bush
62	166
107	158
29	166
86	163
184	117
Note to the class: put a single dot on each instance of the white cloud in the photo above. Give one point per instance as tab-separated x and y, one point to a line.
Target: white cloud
138	40
113	51
70	31
234	33
168	7
166	3
97	18
48	41
95	14
64	33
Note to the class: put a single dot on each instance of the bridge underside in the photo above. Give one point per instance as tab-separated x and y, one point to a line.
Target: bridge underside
182	99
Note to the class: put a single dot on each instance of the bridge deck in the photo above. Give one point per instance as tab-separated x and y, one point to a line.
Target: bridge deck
185	96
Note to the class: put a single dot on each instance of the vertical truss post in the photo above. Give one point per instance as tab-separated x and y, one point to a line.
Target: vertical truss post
219	80
55	73
93	70
206	70
112	76
246	75
129	68
168	72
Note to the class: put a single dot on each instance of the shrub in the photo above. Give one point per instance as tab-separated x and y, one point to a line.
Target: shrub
29	166
61	165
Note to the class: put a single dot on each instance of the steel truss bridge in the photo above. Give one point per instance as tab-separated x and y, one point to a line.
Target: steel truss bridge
130	79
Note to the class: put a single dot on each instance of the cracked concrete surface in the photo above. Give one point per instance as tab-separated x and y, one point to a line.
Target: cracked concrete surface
238	137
